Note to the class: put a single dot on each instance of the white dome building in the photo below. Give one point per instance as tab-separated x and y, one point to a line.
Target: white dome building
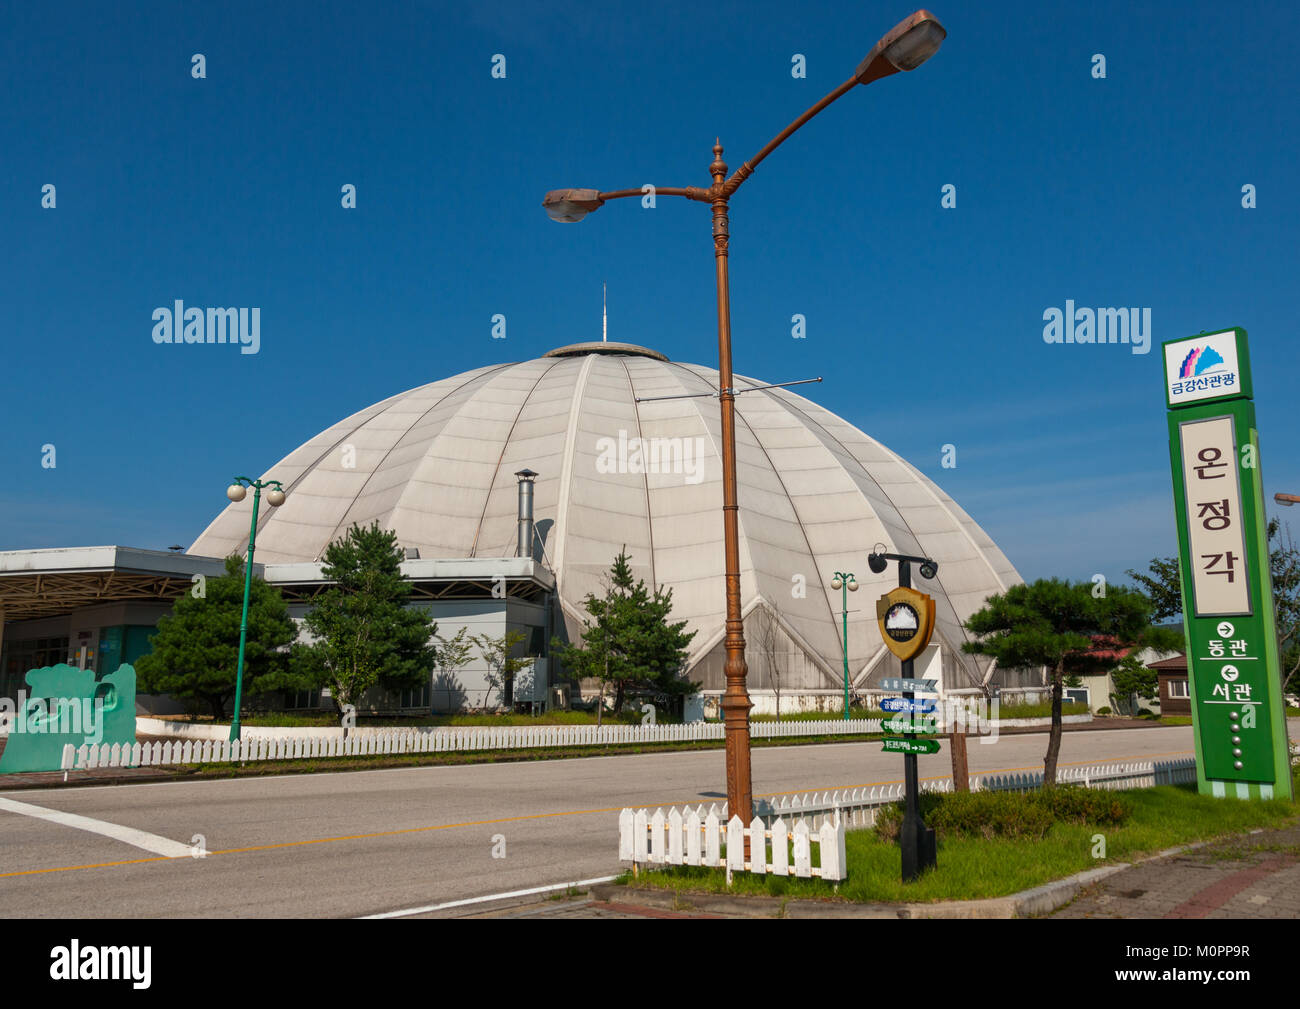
436	464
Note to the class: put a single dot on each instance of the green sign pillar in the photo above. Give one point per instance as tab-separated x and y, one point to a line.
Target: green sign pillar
1238	714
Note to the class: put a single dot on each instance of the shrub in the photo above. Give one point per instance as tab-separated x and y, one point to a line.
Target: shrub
1072	804
1103	711
1007	814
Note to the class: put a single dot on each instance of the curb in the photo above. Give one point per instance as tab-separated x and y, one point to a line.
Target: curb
1026	904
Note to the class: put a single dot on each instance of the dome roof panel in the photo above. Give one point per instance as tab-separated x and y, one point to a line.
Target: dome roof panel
437	464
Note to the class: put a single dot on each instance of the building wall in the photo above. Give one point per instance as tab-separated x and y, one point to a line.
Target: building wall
1169	704
470	687
99	637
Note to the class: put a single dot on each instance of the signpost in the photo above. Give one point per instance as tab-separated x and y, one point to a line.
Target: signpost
1238	715
910	685
912	747
901	704
906	619
926	727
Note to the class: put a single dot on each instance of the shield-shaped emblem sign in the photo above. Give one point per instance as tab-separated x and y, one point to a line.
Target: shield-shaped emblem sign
906	619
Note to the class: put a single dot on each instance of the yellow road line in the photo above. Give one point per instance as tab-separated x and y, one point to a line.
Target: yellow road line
515	819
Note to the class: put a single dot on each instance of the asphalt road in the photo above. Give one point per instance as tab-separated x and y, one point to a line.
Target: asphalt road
368	842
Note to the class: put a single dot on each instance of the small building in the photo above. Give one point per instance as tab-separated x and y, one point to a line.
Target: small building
1175	688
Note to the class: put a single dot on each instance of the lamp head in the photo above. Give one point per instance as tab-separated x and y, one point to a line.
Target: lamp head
877	562
568	206
905	47
236	492
275	497
929	569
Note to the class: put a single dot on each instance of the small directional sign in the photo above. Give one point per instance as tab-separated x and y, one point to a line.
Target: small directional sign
910	686
907	725
904	704
911	745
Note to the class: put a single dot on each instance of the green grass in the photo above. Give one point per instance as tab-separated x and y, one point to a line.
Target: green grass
284	719
1043	710
1176	720
1004	711
970	869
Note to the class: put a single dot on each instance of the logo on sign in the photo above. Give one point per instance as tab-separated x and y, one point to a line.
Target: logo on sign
1202	368
906	620
902	622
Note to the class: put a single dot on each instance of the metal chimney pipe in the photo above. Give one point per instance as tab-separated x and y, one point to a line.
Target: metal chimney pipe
524	543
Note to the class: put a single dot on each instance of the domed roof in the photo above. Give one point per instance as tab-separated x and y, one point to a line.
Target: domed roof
436	464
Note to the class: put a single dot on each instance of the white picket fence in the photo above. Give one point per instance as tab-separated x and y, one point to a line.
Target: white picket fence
454	739
697	836
824	817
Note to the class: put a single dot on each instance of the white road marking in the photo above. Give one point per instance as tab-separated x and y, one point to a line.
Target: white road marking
127	835
492	896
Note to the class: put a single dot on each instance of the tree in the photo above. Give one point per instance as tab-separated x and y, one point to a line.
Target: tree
452	655
1165	588
1057	624
502	666
195	652
1285	567
1133	680
629	643
364	634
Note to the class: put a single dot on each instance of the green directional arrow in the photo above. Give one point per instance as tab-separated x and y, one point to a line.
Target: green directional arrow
911	745
904	725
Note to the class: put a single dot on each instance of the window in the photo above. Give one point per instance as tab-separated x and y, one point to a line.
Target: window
302	699
1178	688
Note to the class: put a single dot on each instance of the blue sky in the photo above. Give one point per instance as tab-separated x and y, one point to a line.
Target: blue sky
927	322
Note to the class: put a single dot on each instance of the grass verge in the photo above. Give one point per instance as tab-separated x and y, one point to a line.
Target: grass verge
329	720
380	762
973	869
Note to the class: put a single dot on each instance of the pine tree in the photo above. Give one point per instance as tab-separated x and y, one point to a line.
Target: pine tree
1058	624
629	642
365	635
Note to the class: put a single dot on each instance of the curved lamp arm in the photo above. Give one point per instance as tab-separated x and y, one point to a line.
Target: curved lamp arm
904	47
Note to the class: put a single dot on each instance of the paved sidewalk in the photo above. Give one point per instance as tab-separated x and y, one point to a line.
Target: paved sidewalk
1251	876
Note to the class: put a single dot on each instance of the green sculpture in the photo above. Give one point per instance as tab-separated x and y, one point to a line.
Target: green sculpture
66	705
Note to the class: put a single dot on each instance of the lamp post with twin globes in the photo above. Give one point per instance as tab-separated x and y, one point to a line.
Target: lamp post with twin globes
905	47
846	583
237	491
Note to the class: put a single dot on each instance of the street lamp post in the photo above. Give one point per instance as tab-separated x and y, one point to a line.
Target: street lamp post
846	583
906	46
274	497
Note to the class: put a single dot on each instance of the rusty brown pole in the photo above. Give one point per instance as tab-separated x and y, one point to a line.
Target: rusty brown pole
735	699
890	55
